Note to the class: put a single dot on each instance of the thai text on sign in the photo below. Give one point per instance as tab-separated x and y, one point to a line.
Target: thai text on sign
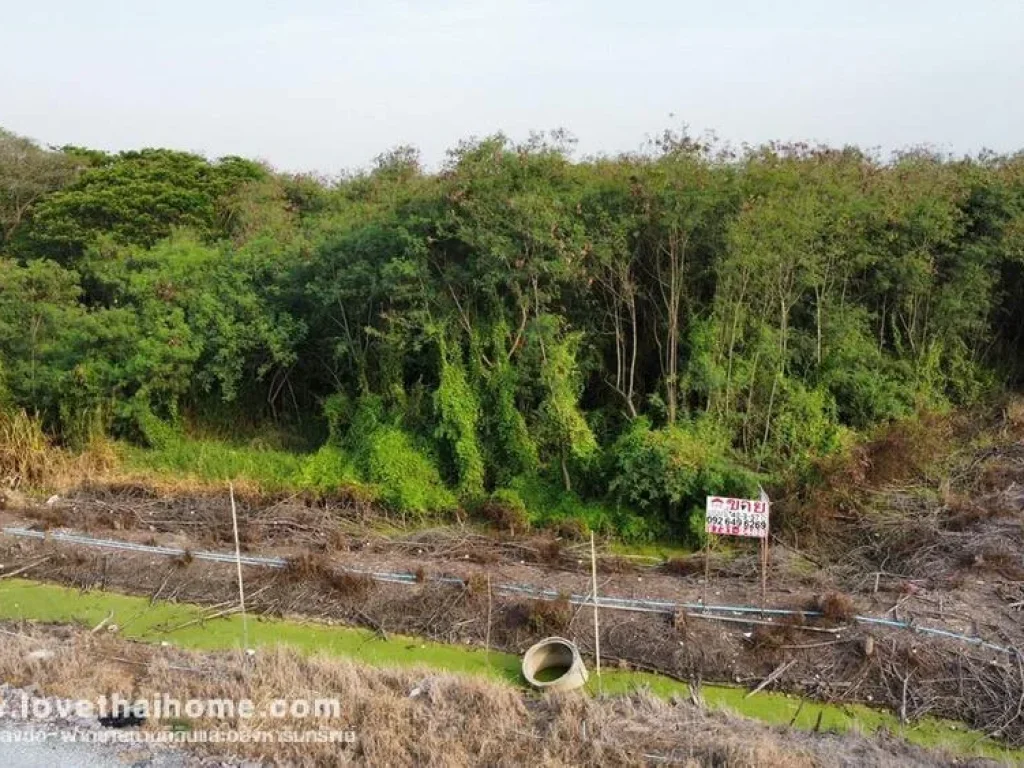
737	517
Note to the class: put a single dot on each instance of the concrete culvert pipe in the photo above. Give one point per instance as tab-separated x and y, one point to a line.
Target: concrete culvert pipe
554	664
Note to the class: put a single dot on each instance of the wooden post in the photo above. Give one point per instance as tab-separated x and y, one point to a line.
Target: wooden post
597	626
764	573
765	552
707	571
238	565
487	641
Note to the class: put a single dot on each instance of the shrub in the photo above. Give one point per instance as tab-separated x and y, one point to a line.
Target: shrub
834	607
355	585
307	566
549	506
550	617
476	584
409	479
1013	415
155	432
570	529
805	427
386	455
338	410
328	470
907	448
458	411
867	387
513	450
506	510
667	473
368	415
685	566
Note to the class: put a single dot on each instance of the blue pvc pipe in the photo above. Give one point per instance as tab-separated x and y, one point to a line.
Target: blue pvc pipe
405	577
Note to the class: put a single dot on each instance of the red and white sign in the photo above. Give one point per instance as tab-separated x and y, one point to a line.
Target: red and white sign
737	517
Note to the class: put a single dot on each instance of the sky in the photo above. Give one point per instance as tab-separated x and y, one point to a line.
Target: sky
326	85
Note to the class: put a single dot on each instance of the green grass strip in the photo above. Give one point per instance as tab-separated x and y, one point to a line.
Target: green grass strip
183	625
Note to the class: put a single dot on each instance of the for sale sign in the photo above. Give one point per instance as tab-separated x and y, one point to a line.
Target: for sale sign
737	517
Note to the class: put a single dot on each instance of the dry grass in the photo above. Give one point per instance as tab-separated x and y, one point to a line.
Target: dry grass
571	529
314	567
98	459
184	560
26	457
616	564
1013	415
477	584
547	550
999	473
505	516
960	684
28	460
834	607
785	631
550	617
996	556
417	717
685	566
354	585
309	566
48	518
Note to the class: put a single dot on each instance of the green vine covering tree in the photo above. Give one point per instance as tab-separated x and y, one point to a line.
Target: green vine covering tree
609	337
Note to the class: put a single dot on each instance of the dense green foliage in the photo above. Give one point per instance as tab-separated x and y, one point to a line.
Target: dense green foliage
636	331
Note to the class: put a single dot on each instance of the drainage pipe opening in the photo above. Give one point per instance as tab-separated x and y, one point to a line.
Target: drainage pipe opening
554	664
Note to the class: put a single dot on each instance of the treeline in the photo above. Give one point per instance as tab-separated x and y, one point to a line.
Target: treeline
639	329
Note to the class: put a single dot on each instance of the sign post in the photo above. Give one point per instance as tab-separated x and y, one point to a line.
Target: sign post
764	573
738	517
707	569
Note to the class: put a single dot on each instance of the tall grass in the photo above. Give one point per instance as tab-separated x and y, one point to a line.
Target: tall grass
400	479
26	457
216	461
270	470
404	487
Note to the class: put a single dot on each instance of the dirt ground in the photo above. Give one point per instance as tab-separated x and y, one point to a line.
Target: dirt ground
949	556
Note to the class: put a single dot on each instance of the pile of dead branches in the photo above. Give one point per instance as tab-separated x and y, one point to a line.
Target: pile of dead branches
986	692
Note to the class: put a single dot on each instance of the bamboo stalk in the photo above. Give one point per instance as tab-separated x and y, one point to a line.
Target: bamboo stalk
487	641
238	566
597	627
707	570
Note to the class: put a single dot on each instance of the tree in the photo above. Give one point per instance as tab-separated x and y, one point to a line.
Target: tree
683	200
27	174
561	425
137	198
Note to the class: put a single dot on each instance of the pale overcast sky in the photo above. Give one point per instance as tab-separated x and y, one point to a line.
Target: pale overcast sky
326	85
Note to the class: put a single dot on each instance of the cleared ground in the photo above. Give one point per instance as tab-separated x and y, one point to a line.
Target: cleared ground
897	539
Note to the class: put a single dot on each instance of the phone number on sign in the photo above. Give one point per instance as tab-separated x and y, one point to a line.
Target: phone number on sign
736	523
